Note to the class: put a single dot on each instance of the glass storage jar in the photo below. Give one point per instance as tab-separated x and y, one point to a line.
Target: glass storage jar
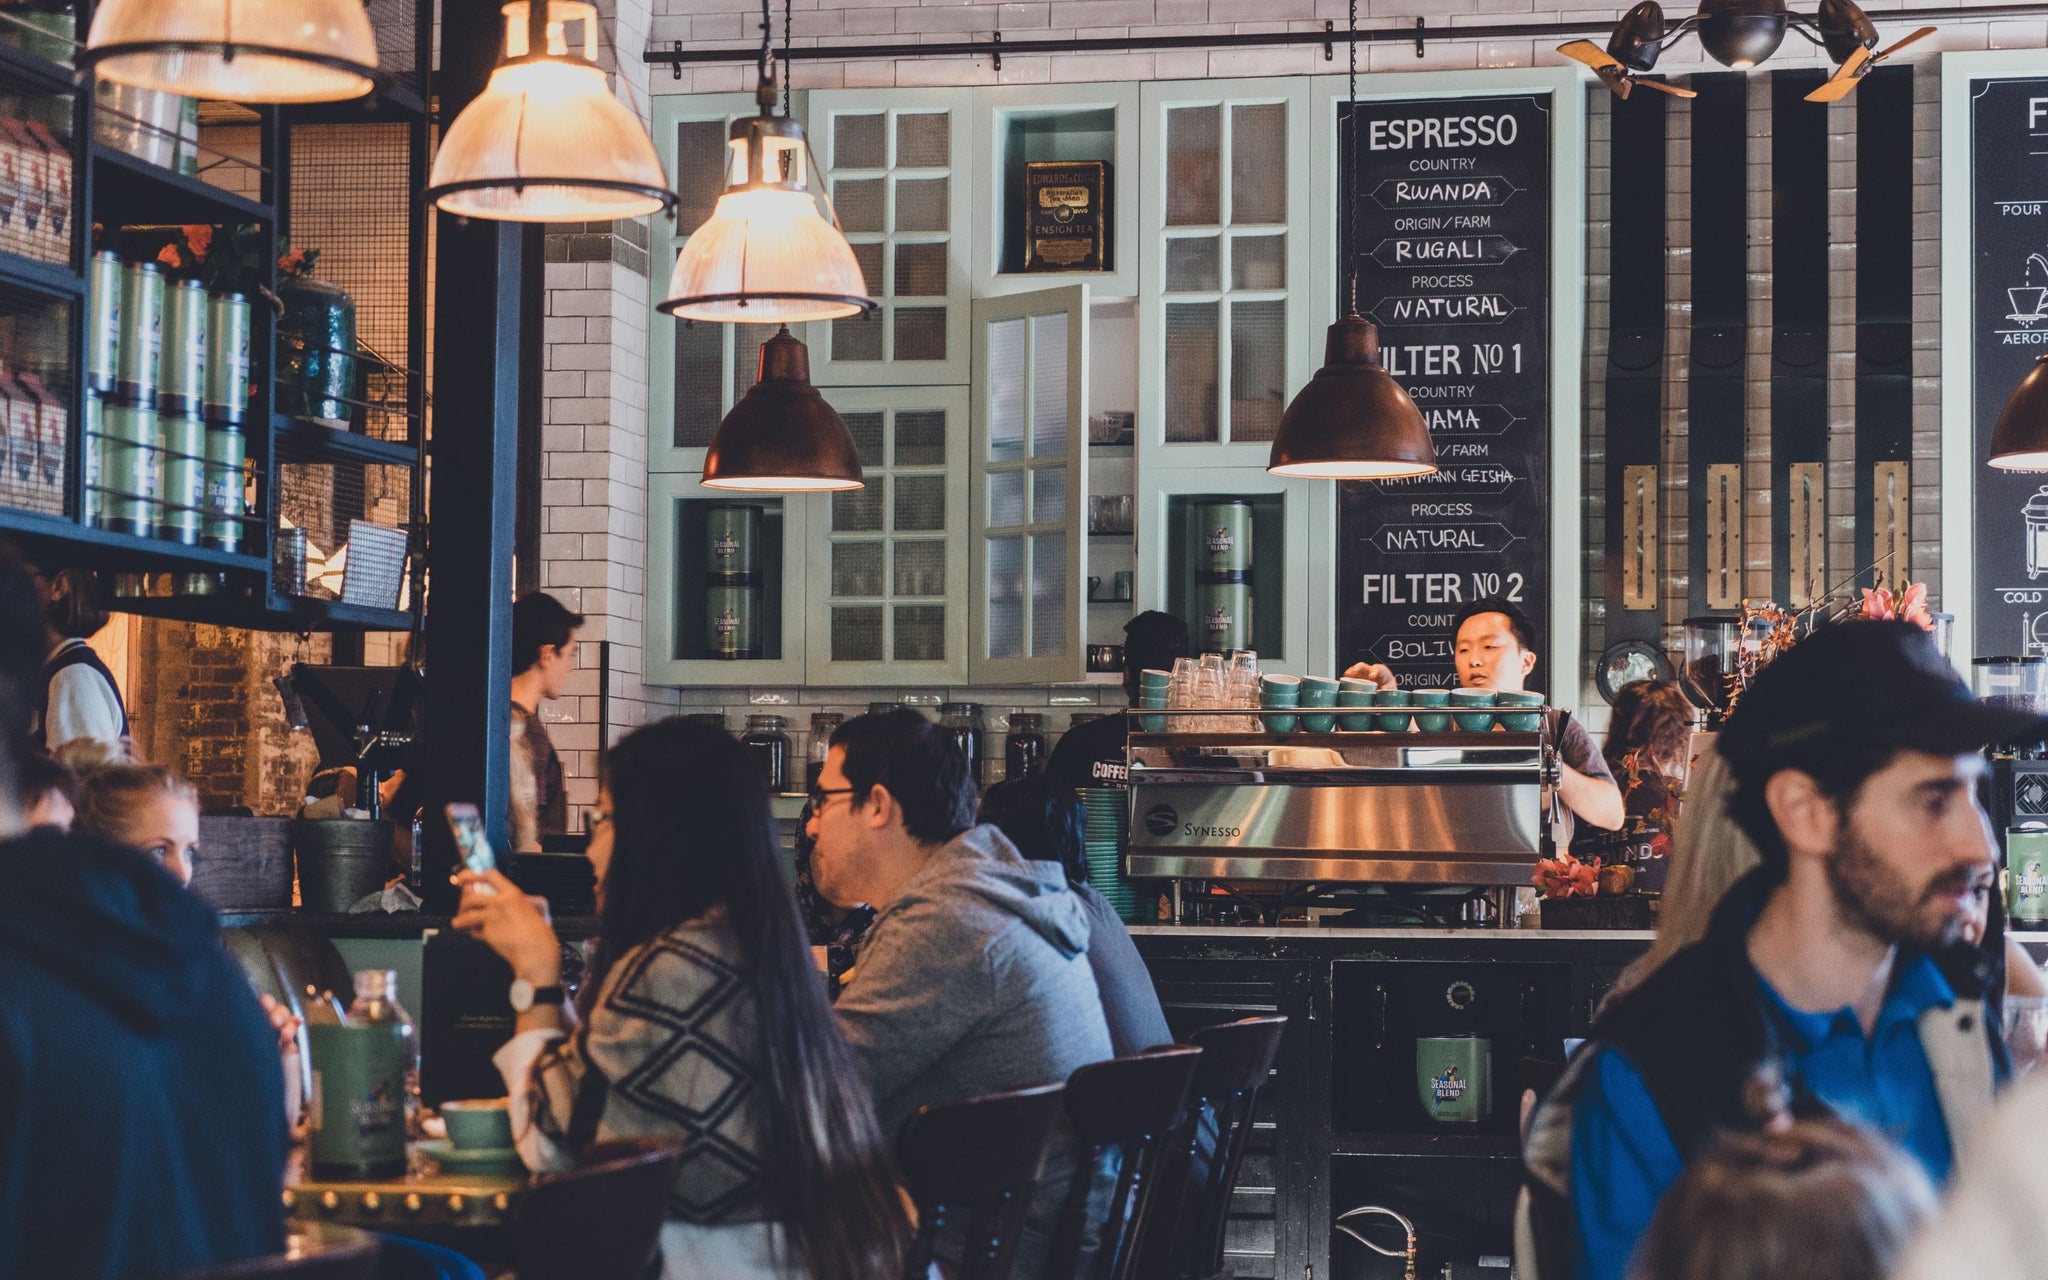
766	742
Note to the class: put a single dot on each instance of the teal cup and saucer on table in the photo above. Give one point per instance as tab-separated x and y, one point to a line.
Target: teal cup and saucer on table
479	1138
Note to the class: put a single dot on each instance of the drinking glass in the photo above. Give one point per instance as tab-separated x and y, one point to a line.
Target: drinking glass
2026	1031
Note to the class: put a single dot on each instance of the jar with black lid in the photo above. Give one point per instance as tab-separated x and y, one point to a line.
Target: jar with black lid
1024	749
823	725
769	746
963	721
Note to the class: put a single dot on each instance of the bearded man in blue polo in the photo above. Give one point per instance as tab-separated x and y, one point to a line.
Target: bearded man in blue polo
1839	978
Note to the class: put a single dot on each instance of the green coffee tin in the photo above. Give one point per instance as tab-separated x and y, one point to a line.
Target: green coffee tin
92	452
142	332
1223	616
226	450
1224	531
181	363
732	622
2026	876
128	471
356	1116
227	358
732	539
103	321
182	497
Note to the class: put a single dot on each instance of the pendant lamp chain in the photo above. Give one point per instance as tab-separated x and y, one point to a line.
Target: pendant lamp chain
1351	177
787	109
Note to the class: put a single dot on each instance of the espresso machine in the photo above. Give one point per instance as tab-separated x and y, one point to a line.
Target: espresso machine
1341	811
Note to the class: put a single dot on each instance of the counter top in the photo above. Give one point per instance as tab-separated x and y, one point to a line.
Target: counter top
1425	932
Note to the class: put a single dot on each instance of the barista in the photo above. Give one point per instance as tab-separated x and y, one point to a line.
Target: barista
1495	649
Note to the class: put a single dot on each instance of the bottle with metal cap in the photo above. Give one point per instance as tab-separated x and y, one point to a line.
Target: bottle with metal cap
357	1114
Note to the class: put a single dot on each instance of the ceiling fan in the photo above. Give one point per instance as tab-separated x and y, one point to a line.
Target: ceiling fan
1738	34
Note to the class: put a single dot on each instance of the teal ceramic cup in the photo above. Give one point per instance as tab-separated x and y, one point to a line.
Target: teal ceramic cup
1318	691
1522	721
479	1124
1465	709
1438	721
1355	698
1454	1078
1392	723
1280	691
1153	678
1152	698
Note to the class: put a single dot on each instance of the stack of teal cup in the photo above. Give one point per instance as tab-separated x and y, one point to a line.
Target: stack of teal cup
1318	691
1472	709
1152	696
1106	815
1353	692
1281	692
1392	721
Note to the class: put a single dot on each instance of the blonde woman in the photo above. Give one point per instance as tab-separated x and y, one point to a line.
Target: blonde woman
146	807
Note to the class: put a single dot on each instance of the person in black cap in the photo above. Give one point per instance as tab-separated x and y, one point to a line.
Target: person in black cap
1093	754
1841	977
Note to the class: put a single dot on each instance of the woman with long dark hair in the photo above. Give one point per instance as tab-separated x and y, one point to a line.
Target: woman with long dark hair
702	1020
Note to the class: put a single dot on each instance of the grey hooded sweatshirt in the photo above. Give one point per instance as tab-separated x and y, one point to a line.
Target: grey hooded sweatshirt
975	980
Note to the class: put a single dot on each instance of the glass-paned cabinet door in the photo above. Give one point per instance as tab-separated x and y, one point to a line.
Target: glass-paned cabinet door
887	568
725	585
1030	458
897	167
1223	293
695	371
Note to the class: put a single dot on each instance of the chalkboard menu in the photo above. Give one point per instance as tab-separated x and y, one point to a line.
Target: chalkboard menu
2009	328
1454	256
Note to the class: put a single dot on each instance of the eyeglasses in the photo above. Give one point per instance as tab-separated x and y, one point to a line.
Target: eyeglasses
820	795
597	818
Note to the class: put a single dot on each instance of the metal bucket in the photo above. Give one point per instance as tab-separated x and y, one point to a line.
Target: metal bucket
340	861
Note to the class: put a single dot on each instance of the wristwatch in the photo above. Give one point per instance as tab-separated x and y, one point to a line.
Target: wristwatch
525	995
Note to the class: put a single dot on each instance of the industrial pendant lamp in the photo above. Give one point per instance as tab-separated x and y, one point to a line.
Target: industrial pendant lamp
1352	421
240	50
766	255
546	141
782	437
2019	440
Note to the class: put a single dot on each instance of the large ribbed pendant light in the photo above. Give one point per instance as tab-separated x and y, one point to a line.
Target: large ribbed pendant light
767	254
2019	440
546	141
782	437
1352	421
239	50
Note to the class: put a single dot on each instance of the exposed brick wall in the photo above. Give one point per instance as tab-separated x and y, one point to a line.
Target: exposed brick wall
202	703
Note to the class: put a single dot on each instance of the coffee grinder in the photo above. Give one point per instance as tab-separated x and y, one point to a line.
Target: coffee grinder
2017	788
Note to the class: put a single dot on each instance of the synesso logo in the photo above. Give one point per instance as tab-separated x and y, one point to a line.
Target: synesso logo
1162	820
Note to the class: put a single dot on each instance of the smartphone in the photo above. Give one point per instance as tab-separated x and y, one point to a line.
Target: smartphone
471	843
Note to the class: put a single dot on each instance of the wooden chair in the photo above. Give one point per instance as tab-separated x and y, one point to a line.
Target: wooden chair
313	1251
599	1221
1182	1237
971	1167
1129	1110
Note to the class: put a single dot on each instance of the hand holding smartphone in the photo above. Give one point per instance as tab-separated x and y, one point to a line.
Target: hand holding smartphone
467	826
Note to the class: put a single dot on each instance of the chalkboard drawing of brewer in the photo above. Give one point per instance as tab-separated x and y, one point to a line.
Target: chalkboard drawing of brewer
1495	648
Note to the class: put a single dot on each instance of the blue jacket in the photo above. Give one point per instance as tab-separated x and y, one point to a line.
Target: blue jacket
141	1097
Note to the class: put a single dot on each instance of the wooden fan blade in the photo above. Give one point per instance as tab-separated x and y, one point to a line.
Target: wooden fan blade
1672	89
1589	53
1916	37
1839	84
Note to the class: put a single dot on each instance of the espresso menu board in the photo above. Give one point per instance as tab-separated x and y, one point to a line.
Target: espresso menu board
2009	323
1454	257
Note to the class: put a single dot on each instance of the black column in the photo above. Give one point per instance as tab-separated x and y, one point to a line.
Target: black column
1635	369
1716	392
1799	339
480	269
1884	314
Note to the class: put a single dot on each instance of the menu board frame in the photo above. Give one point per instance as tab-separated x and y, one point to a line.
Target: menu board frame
1559	609
1981	521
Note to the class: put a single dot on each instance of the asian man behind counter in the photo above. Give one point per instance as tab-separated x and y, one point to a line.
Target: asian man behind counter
1495	648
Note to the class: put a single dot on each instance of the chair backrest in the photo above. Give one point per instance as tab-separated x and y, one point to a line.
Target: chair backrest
1125	1112
315	1251
598	1221
1183	1235
971	1166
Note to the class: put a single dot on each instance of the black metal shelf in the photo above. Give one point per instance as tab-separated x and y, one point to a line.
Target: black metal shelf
278	613
31	74
127	189
1470	1146
33	275
125	551
299	440
316	614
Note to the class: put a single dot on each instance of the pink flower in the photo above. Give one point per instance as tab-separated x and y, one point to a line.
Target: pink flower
1908	605
1566	877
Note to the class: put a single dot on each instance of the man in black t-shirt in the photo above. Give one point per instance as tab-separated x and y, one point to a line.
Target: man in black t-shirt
1495	648
1093	754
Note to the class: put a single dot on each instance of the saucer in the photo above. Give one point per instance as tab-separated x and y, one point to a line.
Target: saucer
456	1159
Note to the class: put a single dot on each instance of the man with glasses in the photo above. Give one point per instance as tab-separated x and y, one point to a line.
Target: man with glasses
974	977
